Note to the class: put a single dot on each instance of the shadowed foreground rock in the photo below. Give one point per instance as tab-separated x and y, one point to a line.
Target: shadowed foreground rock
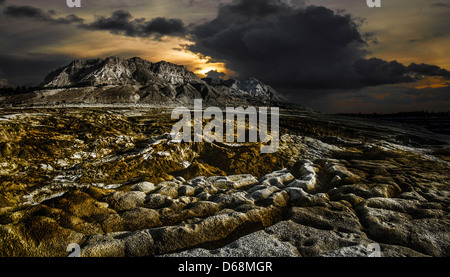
267	217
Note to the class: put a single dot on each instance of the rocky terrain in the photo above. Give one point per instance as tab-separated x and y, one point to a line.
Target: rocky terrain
114	182
88	159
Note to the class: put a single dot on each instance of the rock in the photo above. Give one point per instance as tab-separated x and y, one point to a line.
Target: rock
235	199
204	196
307	175
145	187
360	250
213	228
129	200
338	174
79	204
19	240
326	219
242	180
212	179
301	198
311	241
180	179
119	244
365	191
412	195
157	201
197	181
278	178
384	190
169	188
351	198
206	188
437	195
350	251
203	208
306	185
139	244
223	184
263	193
97	193
261	216
426	235
140	218
257	244
279	198
186	190
104	246
112	223
297	195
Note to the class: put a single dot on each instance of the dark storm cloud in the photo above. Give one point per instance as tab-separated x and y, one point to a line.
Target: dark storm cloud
122	22
284	46
429	70
441	5
374	71
214	74
297	47
38	14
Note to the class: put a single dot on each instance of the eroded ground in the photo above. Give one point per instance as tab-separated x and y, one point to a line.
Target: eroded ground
114	182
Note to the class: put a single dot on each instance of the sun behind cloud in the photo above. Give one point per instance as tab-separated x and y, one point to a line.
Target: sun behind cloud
101	44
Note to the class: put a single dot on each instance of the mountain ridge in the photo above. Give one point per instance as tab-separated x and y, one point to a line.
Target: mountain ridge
115	80
117	71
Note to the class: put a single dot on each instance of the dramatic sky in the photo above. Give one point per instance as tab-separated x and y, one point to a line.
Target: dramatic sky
330	55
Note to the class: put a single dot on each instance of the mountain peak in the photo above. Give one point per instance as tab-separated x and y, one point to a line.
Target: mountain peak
173	73
118	71
114	79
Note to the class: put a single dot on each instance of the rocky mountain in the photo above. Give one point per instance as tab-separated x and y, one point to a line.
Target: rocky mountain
250	87
137	81
117	71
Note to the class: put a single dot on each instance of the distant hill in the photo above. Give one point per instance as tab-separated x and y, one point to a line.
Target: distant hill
5	84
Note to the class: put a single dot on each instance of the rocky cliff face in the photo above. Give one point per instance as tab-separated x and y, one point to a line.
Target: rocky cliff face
137	81
174	74
117	71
